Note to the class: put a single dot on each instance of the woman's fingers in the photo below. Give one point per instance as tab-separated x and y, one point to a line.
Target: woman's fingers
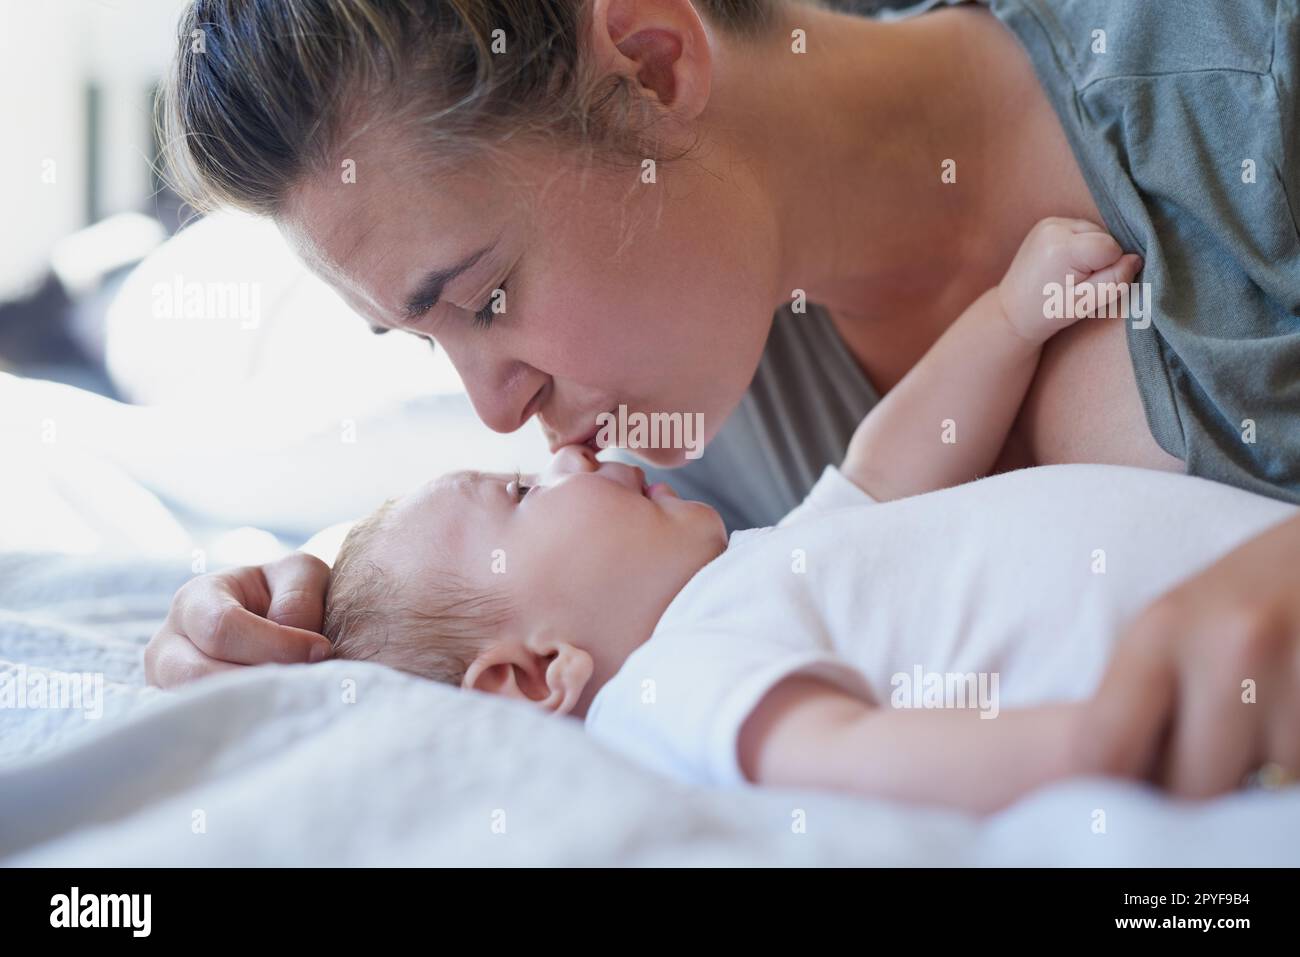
269	614
1218	733
1131	712
222	615
170	659
1192	671
1232	635
297	584
230	632
1282	737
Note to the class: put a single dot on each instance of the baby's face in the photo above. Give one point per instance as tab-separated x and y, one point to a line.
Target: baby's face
584	548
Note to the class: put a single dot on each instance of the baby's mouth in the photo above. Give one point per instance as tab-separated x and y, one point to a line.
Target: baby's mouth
657	490
590	440
650	489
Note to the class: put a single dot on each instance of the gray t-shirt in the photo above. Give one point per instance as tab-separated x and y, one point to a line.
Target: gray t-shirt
1184	116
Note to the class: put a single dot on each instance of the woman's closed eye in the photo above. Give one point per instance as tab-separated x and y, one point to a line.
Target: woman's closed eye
483	318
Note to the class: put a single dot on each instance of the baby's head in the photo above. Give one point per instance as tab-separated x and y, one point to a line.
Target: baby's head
537	588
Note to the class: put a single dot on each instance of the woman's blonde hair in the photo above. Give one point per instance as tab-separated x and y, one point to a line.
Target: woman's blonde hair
261	92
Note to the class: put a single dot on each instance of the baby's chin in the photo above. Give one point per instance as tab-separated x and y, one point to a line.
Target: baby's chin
717	528
663	494
722	537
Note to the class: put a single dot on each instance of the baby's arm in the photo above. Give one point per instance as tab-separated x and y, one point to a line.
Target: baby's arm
806	733
948	418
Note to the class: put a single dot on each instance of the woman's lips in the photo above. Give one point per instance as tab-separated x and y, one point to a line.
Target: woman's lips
588	439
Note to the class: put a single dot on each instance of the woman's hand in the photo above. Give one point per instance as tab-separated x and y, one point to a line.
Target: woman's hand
246	616
1204	688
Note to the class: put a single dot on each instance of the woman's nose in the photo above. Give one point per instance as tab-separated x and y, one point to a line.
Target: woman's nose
504	392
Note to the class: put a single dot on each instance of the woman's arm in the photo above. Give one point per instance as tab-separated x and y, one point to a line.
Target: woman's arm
806	733
948	418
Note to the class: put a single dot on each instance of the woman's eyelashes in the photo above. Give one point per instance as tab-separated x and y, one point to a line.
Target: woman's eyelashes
483	318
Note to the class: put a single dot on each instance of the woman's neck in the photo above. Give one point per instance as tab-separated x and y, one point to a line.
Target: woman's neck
853	141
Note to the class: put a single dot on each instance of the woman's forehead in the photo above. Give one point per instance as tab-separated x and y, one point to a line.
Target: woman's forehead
375	253
340	221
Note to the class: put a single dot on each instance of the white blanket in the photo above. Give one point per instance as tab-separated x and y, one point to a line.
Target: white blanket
347	763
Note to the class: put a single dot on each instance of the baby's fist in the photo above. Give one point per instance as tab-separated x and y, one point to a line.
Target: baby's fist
1033	292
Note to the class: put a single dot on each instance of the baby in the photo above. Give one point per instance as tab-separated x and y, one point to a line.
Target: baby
940	648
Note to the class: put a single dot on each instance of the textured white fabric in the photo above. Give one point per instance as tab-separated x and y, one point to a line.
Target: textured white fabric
270	766
1020	581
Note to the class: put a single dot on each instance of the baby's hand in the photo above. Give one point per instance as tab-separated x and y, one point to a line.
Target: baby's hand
1035	293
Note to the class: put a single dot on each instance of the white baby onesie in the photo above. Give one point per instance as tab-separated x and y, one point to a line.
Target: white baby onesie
1021	581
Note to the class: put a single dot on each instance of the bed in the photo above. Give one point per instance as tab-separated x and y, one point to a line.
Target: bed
351	763
107	508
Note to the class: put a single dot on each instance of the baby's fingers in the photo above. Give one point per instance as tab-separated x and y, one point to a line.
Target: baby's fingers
1089	252
1080	225
1109	284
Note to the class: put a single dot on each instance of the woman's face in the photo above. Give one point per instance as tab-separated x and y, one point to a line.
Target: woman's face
654	296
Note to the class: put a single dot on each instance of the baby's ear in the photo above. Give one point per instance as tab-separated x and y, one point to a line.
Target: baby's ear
567	675
566	669
507	669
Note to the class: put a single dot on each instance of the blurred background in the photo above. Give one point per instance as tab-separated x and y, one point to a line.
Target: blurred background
77	79
173	384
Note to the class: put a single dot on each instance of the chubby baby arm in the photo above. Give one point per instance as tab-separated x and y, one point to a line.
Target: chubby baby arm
807	733
947	420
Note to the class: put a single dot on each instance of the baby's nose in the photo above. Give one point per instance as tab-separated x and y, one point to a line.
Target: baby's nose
571	459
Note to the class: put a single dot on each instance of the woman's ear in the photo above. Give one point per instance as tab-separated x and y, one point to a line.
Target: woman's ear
663	44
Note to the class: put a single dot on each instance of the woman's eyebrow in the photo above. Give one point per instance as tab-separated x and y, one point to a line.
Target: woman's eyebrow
429	290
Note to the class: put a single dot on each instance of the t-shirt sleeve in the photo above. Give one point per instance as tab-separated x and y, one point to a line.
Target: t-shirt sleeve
1184	127
833	490
680	700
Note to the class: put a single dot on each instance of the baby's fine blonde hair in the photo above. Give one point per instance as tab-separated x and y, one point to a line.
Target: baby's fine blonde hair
433	628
